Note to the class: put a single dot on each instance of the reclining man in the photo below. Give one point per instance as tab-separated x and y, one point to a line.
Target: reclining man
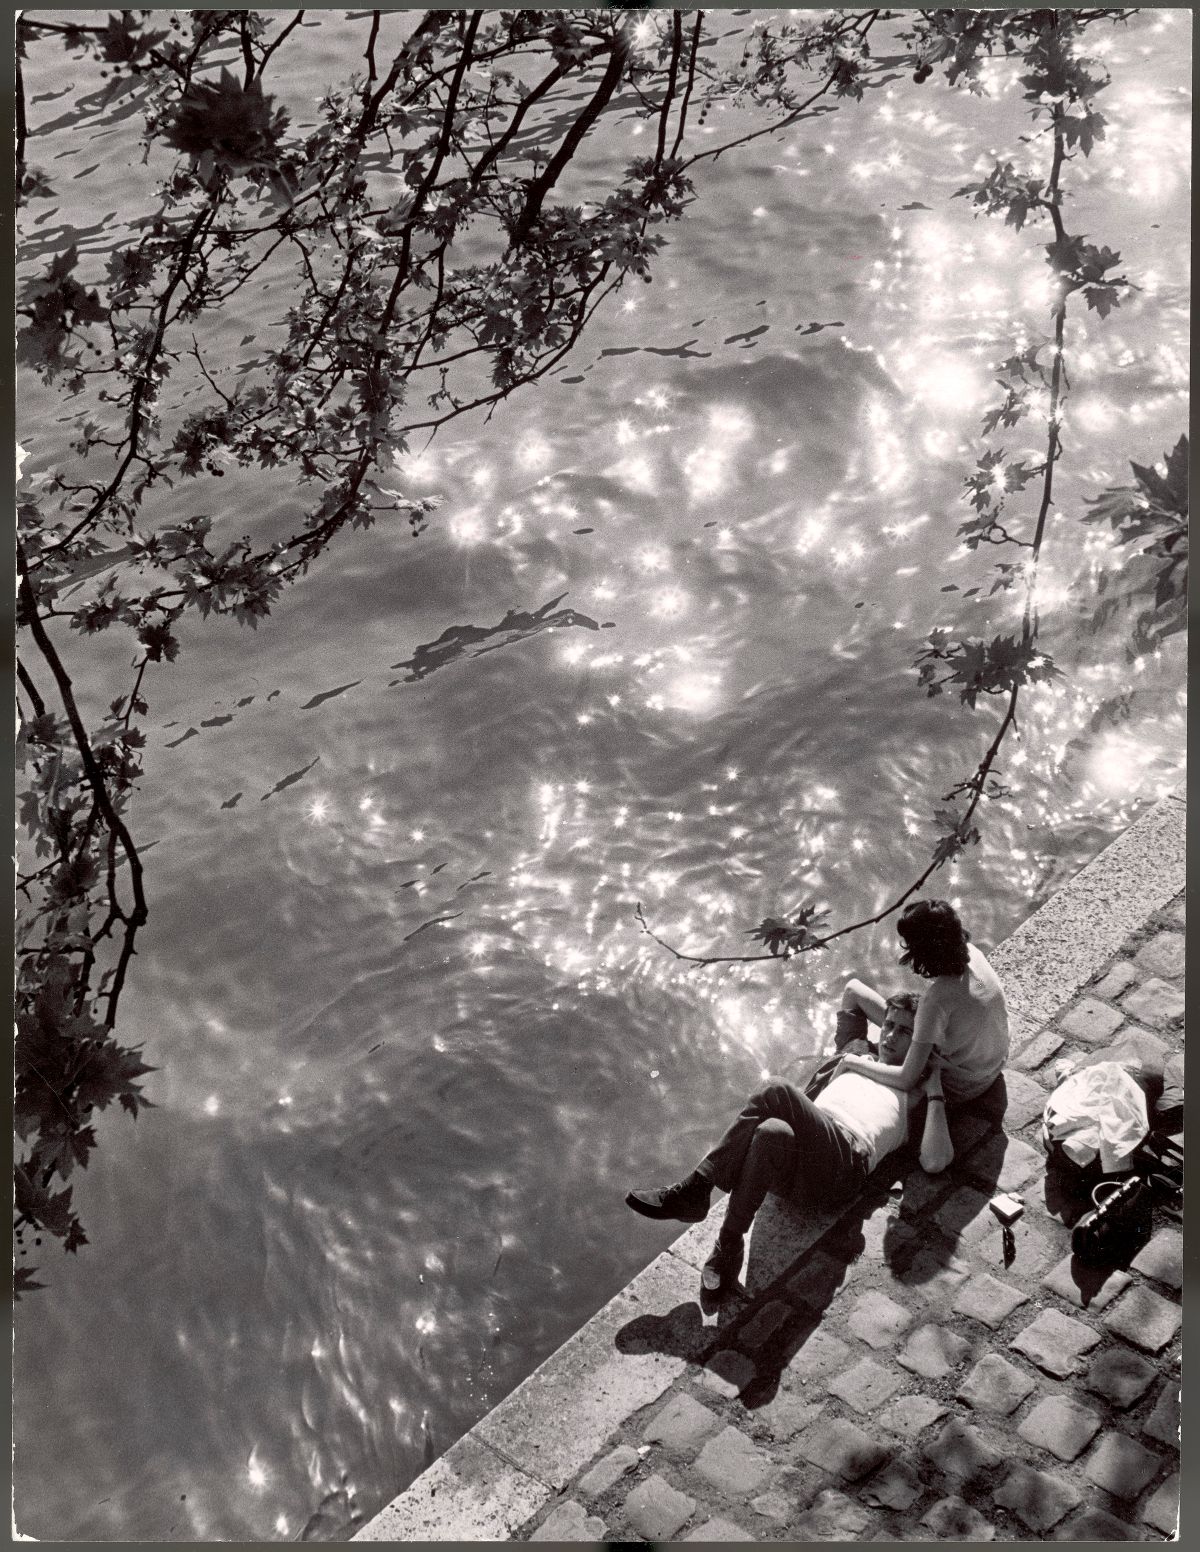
821	1149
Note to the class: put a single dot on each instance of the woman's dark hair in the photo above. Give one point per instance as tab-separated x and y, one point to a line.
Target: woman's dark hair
935	941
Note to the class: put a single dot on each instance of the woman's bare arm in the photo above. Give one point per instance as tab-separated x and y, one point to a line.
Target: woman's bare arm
905	1077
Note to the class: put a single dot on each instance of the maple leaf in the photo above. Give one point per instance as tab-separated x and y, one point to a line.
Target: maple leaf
23	1281
235	125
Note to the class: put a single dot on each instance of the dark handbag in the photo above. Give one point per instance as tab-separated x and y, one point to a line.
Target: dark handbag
1117	1225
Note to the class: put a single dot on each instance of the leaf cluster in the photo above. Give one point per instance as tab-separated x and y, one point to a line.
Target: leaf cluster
1150	520
978	667
785	936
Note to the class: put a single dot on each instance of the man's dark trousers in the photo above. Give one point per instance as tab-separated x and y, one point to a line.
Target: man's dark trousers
781	1141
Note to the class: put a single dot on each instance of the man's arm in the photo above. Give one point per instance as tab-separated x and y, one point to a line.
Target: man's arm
905	1077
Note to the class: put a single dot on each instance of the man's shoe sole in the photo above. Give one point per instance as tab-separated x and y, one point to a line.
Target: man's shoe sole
647	1211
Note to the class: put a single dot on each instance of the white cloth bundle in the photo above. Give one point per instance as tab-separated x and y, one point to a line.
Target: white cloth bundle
1099	1110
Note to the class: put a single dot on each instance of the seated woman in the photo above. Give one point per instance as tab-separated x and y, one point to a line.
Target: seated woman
962	1015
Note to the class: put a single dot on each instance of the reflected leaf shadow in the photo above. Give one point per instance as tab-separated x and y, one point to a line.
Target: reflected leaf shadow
463	640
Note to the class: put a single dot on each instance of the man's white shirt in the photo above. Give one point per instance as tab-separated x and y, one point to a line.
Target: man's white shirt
870	1111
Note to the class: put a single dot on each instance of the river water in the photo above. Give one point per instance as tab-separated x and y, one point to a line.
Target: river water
411	1044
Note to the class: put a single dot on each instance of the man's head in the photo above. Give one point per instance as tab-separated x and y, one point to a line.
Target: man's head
899	1016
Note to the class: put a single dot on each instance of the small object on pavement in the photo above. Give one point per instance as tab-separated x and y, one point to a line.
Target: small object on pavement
1007	1208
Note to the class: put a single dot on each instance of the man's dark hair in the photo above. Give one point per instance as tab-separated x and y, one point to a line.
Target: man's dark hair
905	1000
935	940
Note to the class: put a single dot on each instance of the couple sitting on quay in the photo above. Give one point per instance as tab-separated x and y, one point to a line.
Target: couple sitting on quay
948	1046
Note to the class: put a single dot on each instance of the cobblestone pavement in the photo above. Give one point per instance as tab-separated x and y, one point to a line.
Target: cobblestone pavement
912	1377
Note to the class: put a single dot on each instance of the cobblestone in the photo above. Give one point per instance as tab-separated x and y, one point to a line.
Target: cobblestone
682	1423
569	1522
728	1372
841	1448
733	1465
1115	981
933	1352
936	1276
1145	1318
1055	1343
1026	1099
960	1450
1038	1499
1039	1051
1154	1002
772	1506
769	1320
866	1386
1120	1376
896	1486
818	1280
1060	1426
883	1235
953	1519
1092	1021
878	1320
656	1510
965	1214
1121	1465
1163	955
715	1532
1162	1259
820	1355
1004	1163
995	1385
986	1299
786	1415
832	1517
1162	1508
911	1415
917	1191
1163	1422
1082	1286
1097	1525
610	1469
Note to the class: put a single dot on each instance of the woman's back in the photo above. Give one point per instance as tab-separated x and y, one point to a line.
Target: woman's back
966	1017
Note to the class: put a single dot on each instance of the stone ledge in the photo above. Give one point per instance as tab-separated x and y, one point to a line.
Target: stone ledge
555	1421
470	1494
1065	943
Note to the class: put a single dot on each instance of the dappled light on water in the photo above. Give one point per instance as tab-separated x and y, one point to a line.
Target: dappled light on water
655	646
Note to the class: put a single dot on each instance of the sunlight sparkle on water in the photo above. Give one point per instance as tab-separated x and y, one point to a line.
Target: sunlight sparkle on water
533	452
947	383
466	529
670	603
694	692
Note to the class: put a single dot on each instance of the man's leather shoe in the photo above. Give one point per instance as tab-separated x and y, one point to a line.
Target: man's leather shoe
722	1267
686	1202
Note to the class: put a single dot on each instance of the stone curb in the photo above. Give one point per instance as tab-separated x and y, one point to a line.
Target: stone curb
523	1452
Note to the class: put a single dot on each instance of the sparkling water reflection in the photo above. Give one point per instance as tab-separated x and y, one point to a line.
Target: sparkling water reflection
412	1044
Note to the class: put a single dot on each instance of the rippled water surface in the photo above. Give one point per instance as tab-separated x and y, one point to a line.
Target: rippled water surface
411	1045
